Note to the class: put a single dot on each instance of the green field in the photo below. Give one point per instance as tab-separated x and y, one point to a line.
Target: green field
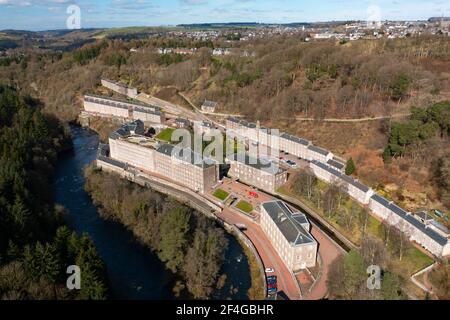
165	135
221	194
244	206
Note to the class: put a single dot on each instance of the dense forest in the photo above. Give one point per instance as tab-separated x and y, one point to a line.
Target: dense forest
35	245
190	244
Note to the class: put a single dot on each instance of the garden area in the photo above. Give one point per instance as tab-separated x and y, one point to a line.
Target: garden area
355	222
165	135
221	194
244	206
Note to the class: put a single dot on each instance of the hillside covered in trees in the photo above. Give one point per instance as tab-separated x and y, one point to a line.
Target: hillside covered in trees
280	81
190	244
35	245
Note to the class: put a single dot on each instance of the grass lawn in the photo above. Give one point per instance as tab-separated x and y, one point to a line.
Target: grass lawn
221	194
165	135
244	206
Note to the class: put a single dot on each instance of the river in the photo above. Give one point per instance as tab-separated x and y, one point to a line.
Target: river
134	271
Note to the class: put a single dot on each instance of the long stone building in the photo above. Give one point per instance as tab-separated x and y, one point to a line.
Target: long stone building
183	166
354	188
106	106
296	146
125	109
289	233
421	232
120	88
266	177
417	231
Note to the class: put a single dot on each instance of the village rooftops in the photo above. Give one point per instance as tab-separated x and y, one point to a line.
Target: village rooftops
118	102
184	122
288	222
336	164
295	139
207	124
133	128
269	167
426	230
319	150
147	110
209	104
344	177
242	122
183	154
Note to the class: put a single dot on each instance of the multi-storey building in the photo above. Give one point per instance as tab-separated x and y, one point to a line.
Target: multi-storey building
354	188
120	108
129	146
264	176
420	232
120	88
185	167
295	145
203	127
148	115
243	128
288	231
319	154
106	106
209	106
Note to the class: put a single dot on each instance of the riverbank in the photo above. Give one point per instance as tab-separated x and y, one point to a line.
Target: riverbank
190	245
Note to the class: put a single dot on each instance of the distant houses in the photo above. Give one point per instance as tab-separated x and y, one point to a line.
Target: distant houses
209	106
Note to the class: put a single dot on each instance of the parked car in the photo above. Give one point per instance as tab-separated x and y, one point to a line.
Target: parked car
272	290
439	213
272	280
269	270
253	194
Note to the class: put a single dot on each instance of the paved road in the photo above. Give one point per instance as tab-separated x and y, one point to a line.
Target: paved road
328	251
270	258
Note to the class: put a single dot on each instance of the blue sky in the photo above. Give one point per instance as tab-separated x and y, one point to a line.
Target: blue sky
51	14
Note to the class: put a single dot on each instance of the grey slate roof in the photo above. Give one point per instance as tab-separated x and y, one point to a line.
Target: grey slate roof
270	168
148	110
188	155
136	126
409	218
114	162
290	137
318	150
439	226
287	222
381	200
342	176
242	122
429	232
186	122
208	103
338	165
119	103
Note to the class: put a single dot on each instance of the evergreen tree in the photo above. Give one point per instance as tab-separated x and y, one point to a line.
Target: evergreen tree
350	168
